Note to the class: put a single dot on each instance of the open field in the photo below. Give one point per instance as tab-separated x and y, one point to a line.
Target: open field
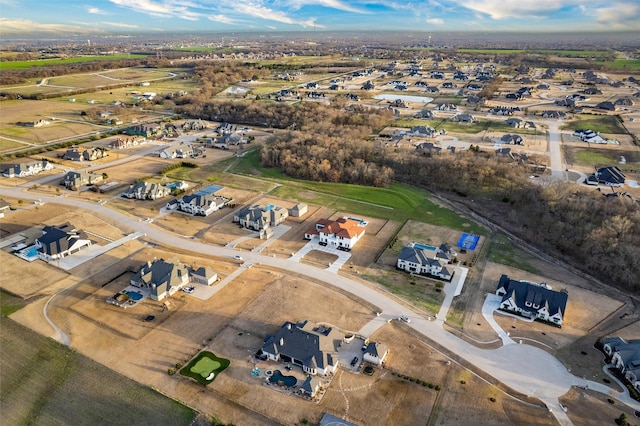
597	123
590	408
57	61
44	383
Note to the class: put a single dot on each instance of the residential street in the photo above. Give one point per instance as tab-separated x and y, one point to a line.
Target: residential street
524	368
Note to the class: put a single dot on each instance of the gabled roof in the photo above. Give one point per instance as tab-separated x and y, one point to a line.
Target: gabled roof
58	239
611	175
523	293
376	349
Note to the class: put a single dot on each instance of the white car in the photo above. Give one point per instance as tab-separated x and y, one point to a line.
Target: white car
405	318
237	257
188	289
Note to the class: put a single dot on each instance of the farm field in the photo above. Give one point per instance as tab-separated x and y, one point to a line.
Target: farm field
47	383
58	61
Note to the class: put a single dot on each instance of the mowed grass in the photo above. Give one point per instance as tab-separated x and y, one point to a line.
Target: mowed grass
203	365
602	157
45	383
623	64
563	53
9	303
57	61
398	202
501	250
597	123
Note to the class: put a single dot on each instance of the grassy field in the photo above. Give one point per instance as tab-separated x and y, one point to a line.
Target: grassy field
398	202
563	53
45	383
602	157
58	61
450	126
597	123
623	64
9	303
501	250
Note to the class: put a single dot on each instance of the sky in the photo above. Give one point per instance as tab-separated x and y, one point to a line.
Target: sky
56	17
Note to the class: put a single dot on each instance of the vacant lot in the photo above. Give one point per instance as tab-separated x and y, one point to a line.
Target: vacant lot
46	383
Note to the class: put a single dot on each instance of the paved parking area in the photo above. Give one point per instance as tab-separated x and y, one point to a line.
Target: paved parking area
334	267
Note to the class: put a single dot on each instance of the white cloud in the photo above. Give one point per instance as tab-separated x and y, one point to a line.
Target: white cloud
435	21
120	25
502	9
11	26
223	19
333	4
95	10
619	15
162	9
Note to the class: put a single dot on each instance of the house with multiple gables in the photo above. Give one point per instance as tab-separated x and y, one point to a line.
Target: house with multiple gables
74	180
517	123
531	300
258	217
57	242
124	143
342	234
146	191
164	278
463	118
609	176
90	154
426	260
198	204
310	346
512	139
27	169
624	355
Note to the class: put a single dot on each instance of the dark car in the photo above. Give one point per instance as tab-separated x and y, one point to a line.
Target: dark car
354	361
149	318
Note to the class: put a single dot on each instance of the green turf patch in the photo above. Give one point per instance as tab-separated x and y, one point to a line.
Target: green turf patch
57	61
502	250
9	303
597	123
205	367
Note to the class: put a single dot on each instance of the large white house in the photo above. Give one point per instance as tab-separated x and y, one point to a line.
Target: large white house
426	260
343	233
27	169
531	300
625	356
57	242
375	353
259	217
310	346
198	204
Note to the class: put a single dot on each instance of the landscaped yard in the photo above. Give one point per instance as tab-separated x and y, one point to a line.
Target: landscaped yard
597	123
205	367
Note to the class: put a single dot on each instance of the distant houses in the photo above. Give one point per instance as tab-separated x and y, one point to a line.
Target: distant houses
422	259
27	169
90	154
124	143
535	301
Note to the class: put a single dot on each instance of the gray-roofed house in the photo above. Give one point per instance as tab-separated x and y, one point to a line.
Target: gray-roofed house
331	420
531	300
418	261
606	105
203	275
610	176
298	210
375	353
310	386
74	180
512	139
161	278
146	191
27	169
624	355
57	242
310	346
259	217
201	205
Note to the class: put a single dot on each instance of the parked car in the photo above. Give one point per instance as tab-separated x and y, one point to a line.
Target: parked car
405	319
188	289
354	361
149	318
237	257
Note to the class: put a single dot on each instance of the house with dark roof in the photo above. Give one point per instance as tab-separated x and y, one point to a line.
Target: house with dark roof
424	261
424	131
512	139
199	204
375	353
310	386
57	242
74	180
203	275
310	346
531	300
146	191
464	118
610	176
342	234
161	278
606	105
624	355
554	114
259	217
424	114
27	169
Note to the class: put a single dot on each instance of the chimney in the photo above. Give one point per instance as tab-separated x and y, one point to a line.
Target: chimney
289	326
282	341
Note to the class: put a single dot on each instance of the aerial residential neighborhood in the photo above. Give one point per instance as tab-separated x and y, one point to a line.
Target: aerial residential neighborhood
368	229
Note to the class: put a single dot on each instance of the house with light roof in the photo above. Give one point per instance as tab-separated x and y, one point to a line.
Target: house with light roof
342	234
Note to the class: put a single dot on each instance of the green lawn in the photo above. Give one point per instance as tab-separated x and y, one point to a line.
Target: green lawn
623	64
558	52
205	363
597	123
45	383
9	303
501	250
46	62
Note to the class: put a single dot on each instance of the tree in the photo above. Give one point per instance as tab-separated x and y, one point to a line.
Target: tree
622	420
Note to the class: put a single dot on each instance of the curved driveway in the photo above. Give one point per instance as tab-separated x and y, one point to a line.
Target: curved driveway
524	368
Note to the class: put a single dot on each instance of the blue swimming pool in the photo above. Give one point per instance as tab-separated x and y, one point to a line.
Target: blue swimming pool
424	246
134	295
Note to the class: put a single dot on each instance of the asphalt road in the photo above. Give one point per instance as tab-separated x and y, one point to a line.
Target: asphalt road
524	368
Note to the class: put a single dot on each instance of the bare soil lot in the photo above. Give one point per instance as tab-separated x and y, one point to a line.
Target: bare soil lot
586	407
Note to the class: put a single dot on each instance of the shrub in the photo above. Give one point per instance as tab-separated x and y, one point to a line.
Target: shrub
437	387
171	371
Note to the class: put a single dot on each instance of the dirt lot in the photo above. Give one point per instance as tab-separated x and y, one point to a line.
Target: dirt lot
592	408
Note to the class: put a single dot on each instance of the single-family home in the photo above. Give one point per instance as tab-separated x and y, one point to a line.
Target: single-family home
342	234
624	355
422	261
74	180
203	275
609	176
201	204
423	131
606	105
259	217
425	114
446	107
464	118
310	386
626	101
168	153
161	278
520	124
310	346
512	139
4	206
146	191
27	169
531	300
375	353
554	114
57	242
